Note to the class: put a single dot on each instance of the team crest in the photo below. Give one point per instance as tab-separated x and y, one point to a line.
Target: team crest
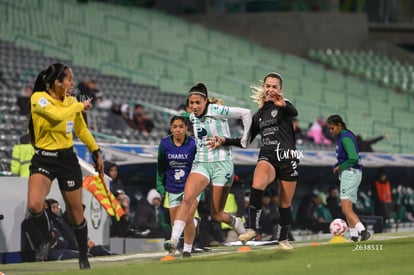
274	113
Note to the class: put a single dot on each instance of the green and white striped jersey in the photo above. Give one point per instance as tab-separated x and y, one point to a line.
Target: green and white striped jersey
214	123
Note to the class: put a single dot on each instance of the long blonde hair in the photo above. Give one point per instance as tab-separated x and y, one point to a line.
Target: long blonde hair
258	95
215	100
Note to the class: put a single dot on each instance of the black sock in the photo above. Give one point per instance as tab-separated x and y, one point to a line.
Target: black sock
255	208
81	234
284	222
41	221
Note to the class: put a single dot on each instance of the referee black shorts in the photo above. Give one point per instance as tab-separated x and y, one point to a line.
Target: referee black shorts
60	164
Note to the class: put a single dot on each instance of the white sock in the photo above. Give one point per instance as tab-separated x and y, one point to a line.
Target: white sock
353	232
187	247
360	227
177	230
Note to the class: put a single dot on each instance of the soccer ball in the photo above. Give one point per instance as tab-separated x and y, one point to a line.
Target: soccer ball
338	227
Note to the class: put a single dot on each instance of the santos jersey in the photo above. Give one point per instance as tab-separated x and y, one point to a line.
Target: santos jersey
275	126
214	123
54	121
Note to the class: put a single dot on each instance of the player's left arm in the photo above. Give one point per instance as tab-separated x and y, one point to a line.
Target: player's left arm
351	152
246	116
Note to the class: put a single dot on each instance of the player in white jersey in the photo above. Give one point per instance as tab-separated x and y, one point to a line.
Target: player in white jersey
213	162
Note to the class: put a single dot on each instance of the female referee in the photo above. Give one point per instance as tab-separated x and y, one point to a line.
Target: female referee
54	115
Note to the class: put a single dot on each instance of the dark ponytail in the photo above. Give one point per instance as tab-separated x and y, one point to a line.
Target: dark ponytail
45	80
40	82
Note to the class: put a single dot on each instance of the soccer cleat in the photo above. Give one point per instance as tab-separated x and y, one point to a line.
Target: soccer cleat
365	235
239	227
84	263
285	245
250	234
355	239
170	246
42	252
186	254
196	250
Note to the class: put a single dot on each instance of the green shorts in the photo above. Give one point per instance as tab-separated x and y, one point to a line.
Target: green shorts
175	199
219	173
350	180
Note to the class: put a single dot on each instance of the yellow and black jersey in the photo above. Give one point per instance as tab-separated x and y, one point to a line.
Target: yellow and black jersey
55	120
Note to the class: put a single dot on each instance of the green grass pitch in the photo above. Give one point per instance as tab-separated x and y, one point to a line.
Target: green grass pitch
389	253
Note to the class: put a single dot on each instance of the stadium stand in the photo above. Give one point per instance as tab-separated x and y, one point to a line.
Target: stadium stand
147	57
129	45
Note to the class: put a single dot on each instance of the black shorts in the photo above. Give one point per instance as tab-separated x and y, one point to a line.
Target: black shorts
61	164
285	169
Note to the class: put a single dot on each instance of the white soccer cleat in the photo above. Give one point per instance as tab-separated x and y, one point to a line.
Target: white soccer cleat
250	234
285	245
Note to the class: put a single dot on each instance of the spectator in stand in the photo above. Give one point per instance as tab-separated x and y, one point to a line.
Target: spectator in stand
115	185
334	203
407	203
115	120
300	136
149	217
382	196
21	157
269	218
102	102
210	231
87	91
141	120
63	228
322	214
364	205
313	215
23	101
366	145
66	245
121	228
127	115
316	132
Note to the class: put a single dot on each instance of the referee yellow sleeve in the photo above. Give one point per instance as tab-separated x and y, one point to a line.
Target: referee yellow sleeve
83	133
